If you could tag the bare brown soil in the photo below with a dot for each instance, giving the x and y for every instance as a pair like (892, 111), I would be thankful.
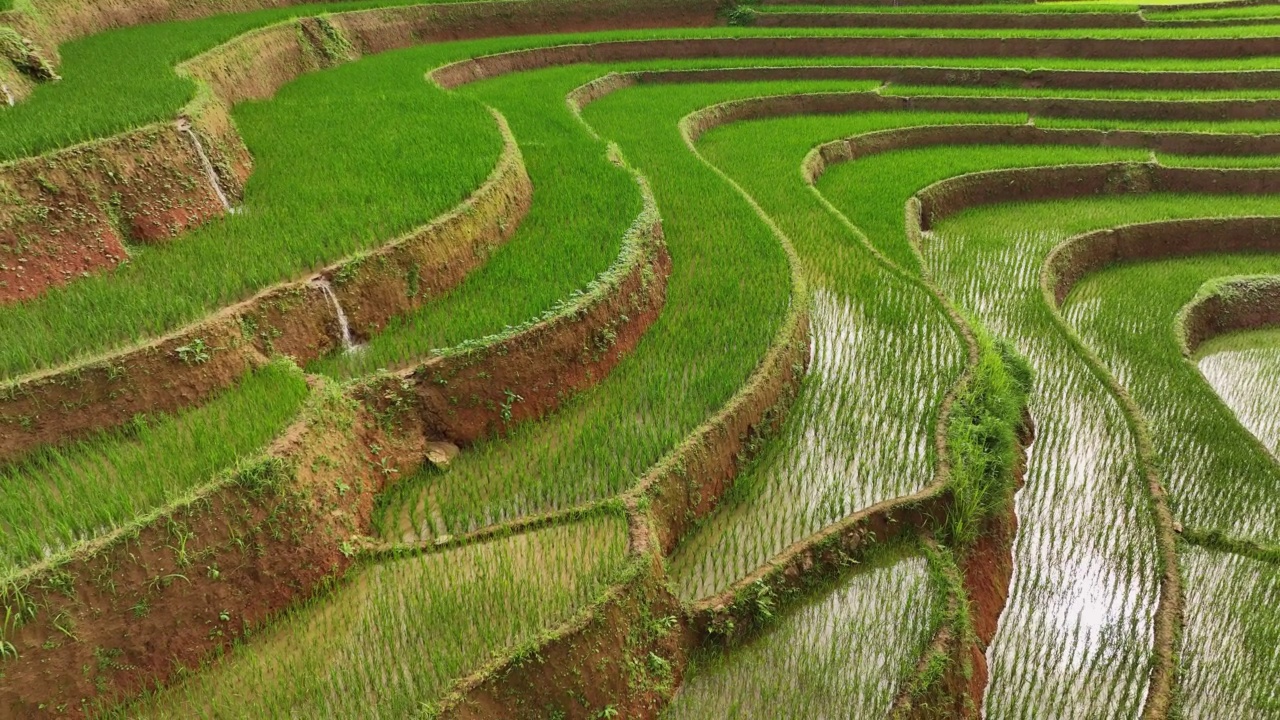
(602, 659)
(489, 66)
(70, 214)
(948, 197)
(690, 484)
(982, 77)
(1088, 253)
(465, 396)
(128, 612)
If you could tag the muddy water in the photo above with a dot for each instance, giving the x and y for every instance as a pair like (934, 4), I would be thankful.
(210, 174)
(344, 325)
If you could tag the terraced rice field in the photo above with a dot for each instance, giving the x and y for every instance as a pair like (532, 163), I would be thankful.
(639, 359)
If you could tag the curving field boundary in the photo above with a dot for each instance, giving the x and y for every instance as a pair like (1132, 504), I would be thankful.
(278, 529)
(1233, 304)
(82, 204)
(295, 318)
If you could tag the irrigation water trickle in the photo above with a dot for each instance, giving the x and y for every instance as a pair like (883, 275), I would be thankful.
(348, 342)
(184, 126)
(8, 96)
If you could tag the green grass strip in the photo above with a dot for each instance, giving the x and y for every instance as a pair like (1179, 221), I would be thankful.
(61, 496)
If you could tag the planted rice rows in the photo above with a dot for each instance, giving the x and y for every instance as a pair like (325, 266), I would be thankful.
(862, 429)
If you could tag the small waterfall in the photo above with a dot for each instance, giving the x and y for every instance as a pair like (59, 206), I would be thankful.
(348, 342)
(185, 127)
(8, 95)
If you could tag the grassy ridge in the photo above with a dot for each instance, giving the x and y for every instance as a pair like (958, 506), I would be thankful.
(717, 323)
(1217, 474)
(989, 258)
(58, 497)
(396, 634)
(120, 79)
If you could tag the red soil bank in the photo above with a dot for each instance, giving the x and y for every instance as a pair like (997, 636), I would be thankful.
(959, 21)
(469, 394)
(135, 607)
(601, 659)
(69, 214)
(983, 77)
(949, 197)
(489, 66)
(1086, 254)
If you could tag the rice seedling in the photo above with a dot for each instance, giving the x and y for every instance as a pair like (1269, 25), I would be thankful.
(61, 496)
(349, 158)
(1217, 474)
(1230, 637)
(318, 193)
(841, 654)
(395, 634)
(883, 355)
(556, 251)
(718, 320)
(1083, 584)
(121, 79)
(1241, 368)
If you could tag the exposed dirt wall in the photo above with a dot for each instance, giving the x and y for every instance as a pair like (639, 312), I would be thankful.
(985, 77)
(601, 659)
(64, 20)
(958, 21)
(381, 30)
(1085, 254)
(478, 392)
(949, 197)
(71, 214)
(688, 485)
(615, 51)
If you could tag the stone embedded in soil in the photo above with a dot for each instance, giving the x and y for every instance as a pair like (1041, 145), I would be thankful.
(441, 454)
